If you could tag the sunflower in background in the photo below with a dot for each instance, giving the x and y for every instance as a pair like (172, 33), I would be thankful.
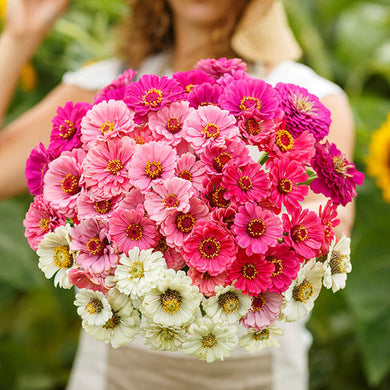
(378, 160)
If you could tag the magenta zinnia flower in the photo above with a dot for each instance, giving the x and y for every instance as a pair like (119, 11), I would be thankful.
(209, 125)
(286, 263)
(303, 111)
(285, 176)
(90, 237)
(247, 183)
(337, 178)
(329, 220)
(105, 168)
(40, 219)
(256, 228)
(36, 168)
(152, 163)
(205, 282)
(66, 127)
(188, 168)
(305, 232)
(251, 273)
(264, 311)
(215, 193)
(210, 248)
(204, 95)
(217, 68)
(129, 229)
(105, 121)
(252, 95)
(188, 80)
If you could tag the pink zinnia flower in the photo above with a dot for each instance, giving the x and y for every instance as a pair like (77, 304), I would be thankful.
(286, 263)
(251, 95)
(167, 123)
(40, 219)
(106, 168)
(179, 225)
(215, 193)
(303, 111)
(142, 134)
(188, 80)
(217, 68)
(151, 93)
(170, 196)
(172, 256)
(66, 127)
(225, 216)
(256, 228)
(36, 168)
(264, 311)
(337, 178)
(251, 273)
(133, 200)
(117, 93)
(105, 121)
(209, 125)
(247, 183)
(152, 163)
(129, 229)
(89, 207)
(205, 282)
(283, 144)
(85, 279)
(328, 216)
(210, 248)
(204, 95)
(188, 168)
(216, 157)
(227, 78)
(305, 232)
(62, 183)
(90, 237)
(285, 176)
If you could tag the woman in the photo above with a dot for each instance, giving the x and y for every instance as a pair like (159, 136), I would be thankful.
(168, 36)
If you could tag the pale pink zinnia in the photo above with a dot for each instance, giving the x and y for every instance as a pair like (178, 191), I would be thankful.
(90, 237)
(252, 274)
(188, 168)
(105, 121)
(132, 200)
(264, 311)
(152, 163)
(40, 219)
(256, 228)
(106, 166)
(205, 282)
(178, 226)
(167, 123)
(130, 228)
(172, 256)
(247, 183)
(82, 278)
(210, 248)
(209, 125)
(305, 232)
(170, 196)
(89, 207)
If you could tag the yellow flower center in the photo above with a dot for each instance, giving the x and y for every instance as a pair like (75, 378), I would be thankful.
(252, 126)
(245, 183)
(185, 175)
(209, 341)
(67, 129)
(153, 169)
(113, 322)
(221, 160)
(303, 292)
(285, 186)
(171, 301)
(339, 263)
(256, 228)
(171, 200)
(258, 302)
(250, 102)
(211, 130)
(134, 231)
(136, 270)
(152, 98)
(62, 258)
(95, 246)
(106, 127)
(173, 125)
(249, 271)
(102, 207)
(94, 306)
(185, 222)
(70, 184)
(114, 166)
(284, 140)
(229, 302)
(209, 248)
(44, 224)
(262, 335)
(299, 233)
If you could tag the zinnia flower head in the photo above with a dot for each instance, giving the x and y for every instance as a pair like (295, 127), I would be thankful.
(82, 278)
(329, 220)
(188, 80)
(303, 111)
(204, 95)
(219, 67)
(337, 178)
(205, 282)
(188, 168)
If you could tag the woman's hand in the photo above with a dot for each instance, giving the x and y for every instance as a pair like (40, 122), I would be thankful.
(32, 19)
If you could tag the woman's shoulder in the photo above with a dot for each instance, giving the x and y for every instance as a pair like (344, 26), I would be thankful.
(299, 74)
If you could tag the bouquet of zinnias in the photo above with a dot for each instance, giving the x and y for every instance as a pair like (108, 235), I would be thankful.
(176, 207)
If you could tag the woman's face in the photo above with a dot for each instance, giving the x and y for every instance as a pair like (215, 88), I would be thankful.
(205, 12)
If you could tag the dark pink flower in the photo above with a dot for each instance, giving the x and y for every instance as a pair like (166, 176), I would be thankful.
(303, 111)
(329, 220)
(188, 80)
(305, 232)
(337, 178)
(225, 216)
(217, 68)
(204, 95)
(251, 273)
(215, 193)
(210, 248)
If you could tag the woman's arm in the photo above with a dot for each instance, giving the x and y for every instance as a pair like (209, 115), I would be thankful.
(19, 138)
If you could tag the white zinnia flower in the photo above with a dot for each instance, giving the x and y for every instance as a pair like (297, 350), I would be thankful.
(173, 301)
(208, 340)
(227, 305)
(163, 338)
(93, 307)
(338, 264)
(256, 340)
(122, 327)
(55, 256)
(300, 296)
(138, 272)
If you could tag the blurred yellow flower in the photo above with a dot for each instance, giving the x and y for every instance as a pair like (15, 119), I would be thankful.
(378, 160)
(28, 78)
(3, 6)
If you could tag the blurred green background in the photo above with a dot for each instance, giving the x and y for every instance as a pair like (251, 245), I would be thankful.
(347, 41)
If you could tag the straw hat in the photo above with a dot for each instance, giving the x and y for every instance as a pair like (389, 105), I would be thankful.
(263, 34)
